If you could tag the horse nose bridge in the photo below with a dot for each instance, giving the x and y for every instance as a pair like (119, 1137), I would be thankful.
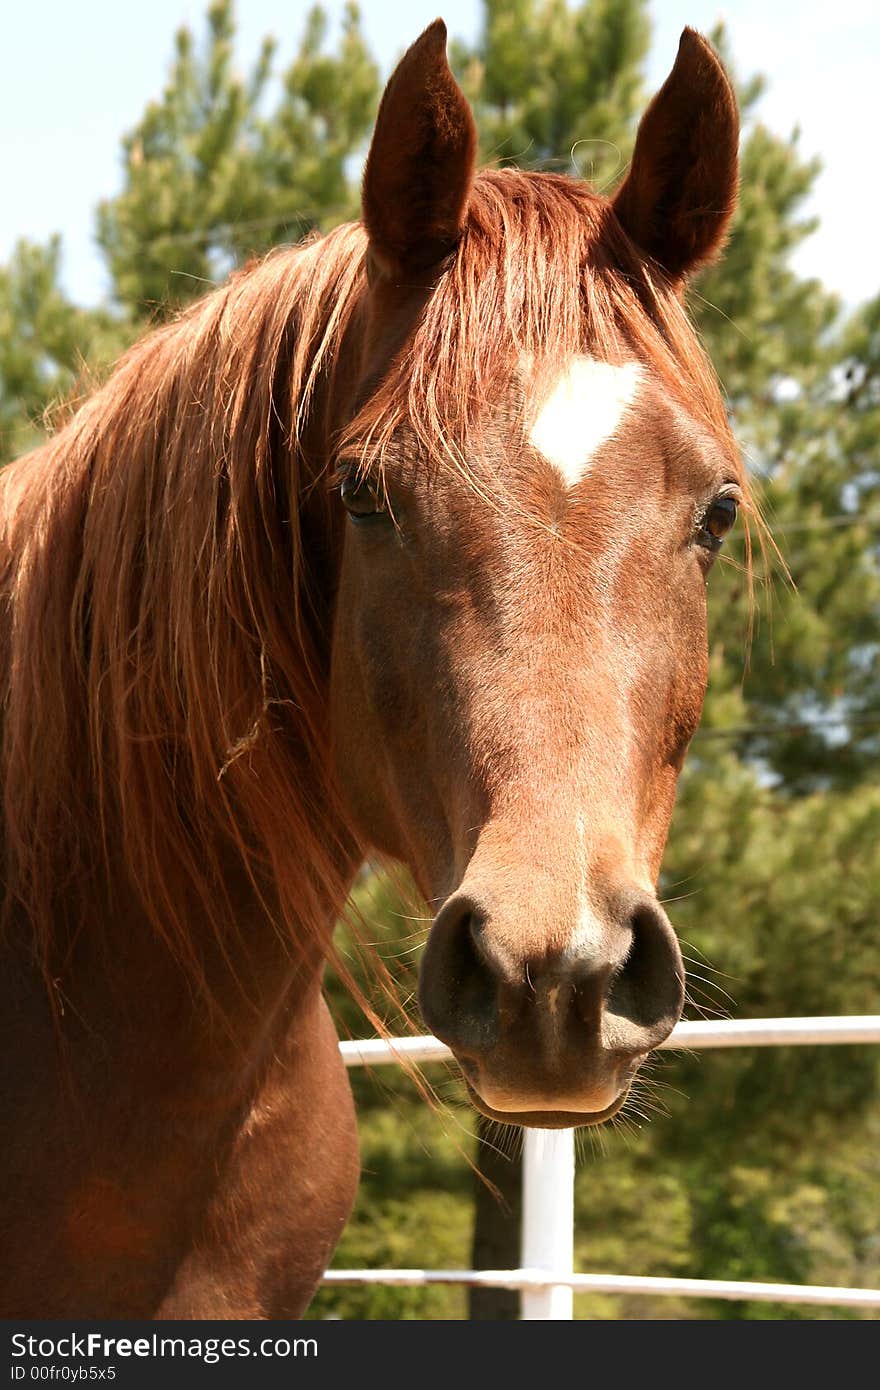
(563, 744)
(544, 885)
(556, 734)
(533, 848)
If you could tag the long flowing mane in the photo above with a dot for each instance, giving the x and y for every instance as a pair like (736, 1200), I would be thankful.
(163, 669)
(165, 645)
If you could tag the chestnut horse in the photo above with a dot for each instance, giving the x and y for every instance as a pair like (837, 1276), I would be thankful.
(397, 542)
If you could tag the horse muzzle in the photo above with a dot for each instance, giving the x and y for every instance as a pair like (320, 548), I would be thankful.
(551, 1038)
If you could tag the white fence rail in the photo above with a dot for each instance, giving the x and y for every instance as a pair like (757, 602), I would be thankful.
(738, 1032)
(547, 1280)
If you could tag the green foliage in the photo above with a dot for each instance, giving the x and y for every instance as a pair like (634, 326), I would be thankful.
(761, 322)
(414, 1206)
(46, 343)
(812, 696)
(766, 1163)
(555, 87)
(212, 176)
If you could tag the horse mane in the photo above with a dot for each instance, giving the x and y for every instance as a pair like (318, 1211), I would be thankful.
(165, 667)
(165, 648)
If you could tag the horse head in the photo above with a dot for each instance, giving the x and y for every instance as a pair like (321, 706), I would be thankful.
(537, 473)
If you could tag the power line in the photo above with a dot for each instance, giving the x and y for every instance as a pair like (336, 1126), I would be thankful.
(869, 719)
(281, 219)
(786, 528)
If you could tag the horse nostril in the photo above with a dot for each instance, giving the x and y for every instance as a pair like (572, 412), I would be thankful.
(539, 1015)
(648, 990)
(458, 984)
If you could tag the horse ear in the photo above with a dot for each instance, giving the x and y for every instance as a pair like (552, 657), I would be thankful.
(421, 161)
(680, 193)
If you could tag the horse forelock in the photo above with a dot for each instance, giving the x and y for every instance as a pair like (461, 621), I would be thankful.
(544, 273)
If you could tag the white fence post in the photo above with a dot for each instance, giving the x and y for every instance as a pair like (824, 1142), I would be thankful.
(548, 1219)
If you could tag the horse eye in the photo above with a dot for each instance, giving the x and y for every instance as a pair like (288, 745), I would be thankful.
(360, 497)
(719, 519)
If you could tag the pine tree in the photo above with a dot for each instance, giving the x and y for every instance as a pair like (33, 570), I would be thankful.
(222, 167)
(555, 87)
(47, 344)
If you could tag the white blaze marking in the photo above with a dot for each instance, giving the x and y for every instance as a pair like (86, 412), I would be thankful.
(583, 410)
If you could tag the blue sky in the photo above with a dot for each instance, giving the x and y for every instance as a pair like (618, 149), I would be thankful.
(78, 75)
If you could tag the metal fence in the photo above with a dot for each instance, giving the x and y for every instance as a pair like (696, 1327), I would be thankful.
(546, 1278)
